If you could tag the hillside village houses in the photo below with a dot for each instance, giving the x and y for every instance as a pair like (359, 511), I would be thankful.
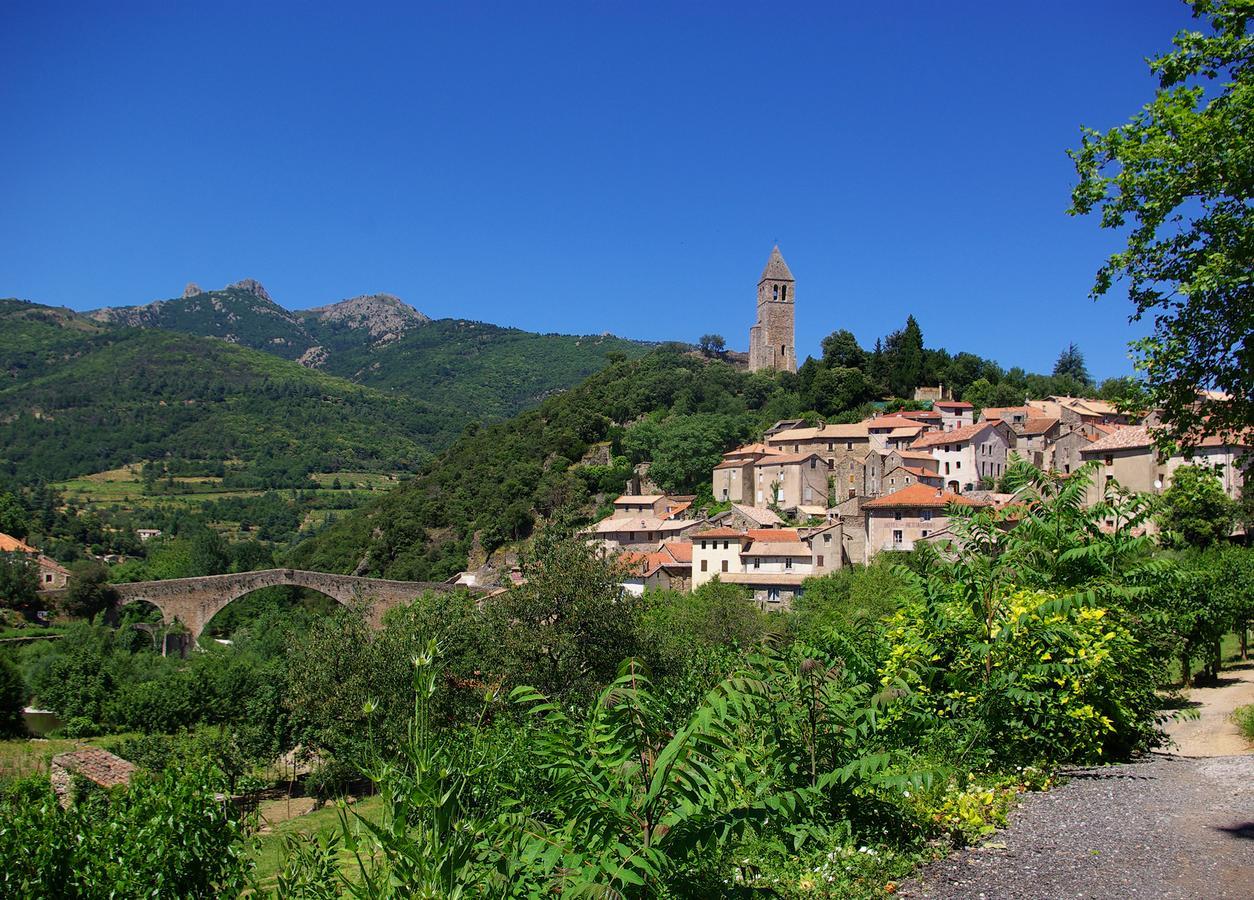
(808, 499)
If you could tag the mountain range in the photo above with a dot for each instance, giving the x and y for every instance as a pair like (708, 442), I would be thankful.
(366, 383)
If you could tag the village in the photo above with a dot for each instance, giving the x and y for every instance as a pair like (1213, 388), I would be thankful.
(809, 499)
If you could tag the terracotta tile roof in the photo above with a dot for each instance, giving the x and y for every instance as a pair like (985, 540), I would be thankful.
(639, 499)
(1131, 438)
(919, 495)
(1039, 425)
(916, 472)
(774, 535)
(913, 454)
(680, 551)
(952, 404)
(99, 766)
(920, 415)
(719, 533)
(749, 450)
(957, 436)
(733, 464)
(10, 544)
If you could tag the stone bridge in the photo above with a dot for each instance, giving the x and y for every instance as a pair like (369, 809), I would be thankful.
(194, 601)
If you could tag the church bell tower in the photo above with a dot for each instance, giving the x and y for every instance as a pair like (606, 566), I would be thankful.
(772, 341)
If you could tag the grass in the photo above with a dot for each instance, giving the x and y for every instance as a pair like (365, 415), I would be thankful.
(1229, 651)
(1244, 717)
(20, 757)
(269, 850)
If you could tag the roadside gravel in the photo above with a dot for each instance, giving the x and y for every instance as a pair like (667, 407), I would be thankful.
(1169, 827)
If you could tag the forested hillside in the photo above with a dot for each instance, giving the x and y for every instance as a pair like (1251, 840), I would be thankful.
(81, 397)
(672, 409)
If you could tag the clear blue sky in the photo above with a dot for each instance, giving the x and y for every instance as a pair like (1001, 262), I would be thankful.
(579, 167)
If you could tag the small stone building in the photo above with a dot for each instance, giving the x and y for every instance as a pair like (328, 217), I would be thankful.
(100, 767)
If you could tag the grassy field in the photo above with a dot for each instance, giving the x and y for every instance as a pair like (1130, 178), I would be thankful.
(20, 757)
(123, 490)
(326, 821)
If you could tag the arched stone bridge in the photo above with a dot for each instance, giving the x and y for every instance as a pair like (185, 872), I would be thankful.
(194, 601)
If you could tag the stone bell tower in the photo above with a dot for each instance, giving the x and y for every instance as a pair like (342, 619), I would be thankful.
(772, 341)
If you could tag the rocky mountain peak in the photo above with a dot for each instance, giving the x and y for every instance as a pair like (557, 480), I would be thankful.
(192, 290)
(253, 287)
(385, 317)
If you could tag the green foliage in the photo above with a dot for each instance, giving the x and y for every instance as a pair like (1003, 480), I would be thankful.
(12, 699)
(712, 345)
(19, 581)
(1244, 717)
(13, 518)
(88, 591)
(165, 835)
(675, 626)
(1196, 511)
(1070, 364)
(567, 626)
(1176, 179)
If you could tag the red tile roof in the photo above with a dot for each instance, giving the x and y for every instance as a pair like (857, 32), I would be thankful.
(957, 436)
(1039, 425)
(719, 533)
(1134, 437)
(919, 495)
(952, 404)
(774, 535)
(9, 544)
(99, 766)
(893, 422)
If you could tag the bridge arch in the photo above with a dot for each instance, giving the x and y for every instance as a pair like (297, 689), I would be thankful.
(194, 601)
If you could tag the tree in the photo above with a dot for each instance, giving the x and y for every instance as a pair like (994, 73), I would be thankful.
(903, 359)
(1195, 509)
(712, 345)
(839, 390)
(1179, 178)
(568, 625)
(89, 591)
(12, 700)
(1071, 364)
(19, 581)
(841, 350)
(13, 518)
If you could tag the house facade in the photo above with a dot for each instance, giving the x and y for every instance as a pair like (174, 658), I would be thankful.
(899, 520)
(966, 455)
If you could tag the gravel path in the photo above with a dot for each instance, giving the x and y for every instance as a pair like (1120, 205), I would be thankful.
(1169, 827)
(1213, 733)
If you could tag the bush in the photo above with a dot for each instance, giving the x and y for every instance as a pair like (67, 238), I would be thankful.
(12, 700)
(1244, 717)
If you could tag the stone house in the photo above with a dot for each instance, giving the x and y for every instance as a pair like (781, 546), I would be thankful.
(100, 767)
(1128, 456)
(771, 563)
(659, 505)
(790, 481)
(827, 550)
(954, 413)
(968, 454)
(832, 442)
(52, 576)
(904, 476)
(1033, 439)
(893, 432)
(1011, 415)
(897, 521)
(667, 567)
(638, 532)
(745, 517)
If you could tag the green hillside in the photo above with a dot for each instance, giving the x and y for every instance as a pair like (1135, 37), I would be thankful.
(493, 371)
(81, 398)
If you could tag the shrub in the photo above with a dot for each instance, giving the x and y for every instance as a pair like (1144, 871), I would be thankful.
(12, 700)
(1244, 717)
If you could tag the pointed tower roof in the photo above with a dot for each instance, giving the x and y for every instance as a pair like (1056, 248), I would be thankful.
(776, 269)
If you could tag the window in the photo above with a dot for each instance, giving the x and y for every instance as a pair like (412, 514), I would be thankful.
(783, 351)
(703, 545)
(820, 562)
(726, 544)
(757, 563)
(926, 515)
(47, 578)
(925, 532)
(831, 464)
(775, 292)
(897, 515)
(787, 562)
(724, 565)
(783, 292)
(892, 482)
(848, 445)
(705, 565)
(946, 468)
(896, 535)
(814, 463)
(958, 464)
(1110, 459)
(827, 538)
(772, 595)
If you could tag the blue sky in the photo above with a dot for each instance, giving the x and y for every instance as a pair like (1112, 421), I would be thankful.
(581, 167)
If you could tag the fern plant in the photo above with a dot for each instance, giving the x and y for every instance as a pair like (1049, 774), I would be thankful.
(632, 798)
